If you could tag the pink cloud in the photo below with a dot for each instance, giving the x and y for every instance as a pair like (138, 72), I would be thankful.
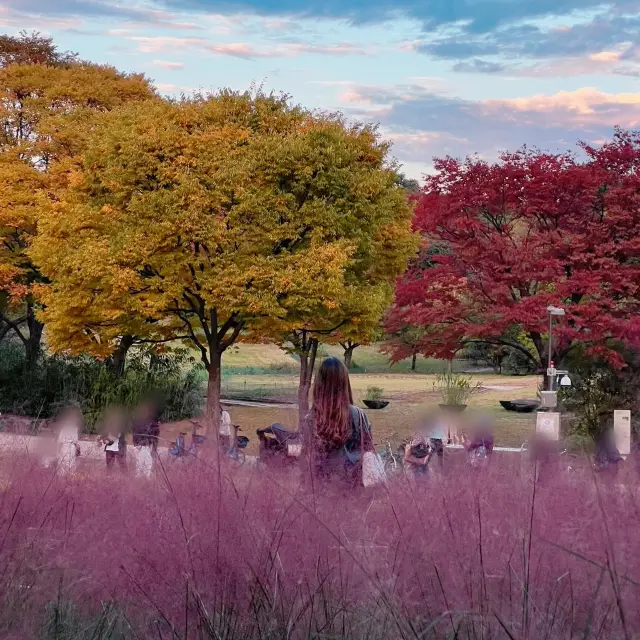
(166, 64)
(410, 46)
(606, 56)
(623, 60)
(423, 123)
(587, 105)
(380, 95)
(584, 106)
(167, 88)
(278, 25)
(21, 21)
(354, 96)
(157, 44)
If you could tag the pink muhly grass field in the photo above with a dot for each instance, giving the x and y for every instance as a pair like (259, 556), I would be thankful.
(204, 552)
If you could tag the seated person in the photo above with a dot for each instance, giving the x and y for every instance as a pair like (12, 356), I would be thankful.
(438, 433)
(480, 446)
(607, 455)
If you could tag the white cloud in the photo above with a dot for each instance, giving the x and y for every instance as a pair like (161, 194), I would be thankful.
(20, 21)
(158, 44)
(166, 88)
(167, 64)
(422, 123)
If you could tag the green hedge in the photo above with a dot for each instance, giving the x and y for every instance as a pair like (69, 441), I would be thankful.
(85, 382)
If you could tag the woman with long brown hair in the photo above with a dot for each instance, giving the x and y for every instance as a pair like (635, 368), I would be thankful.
(339, 432)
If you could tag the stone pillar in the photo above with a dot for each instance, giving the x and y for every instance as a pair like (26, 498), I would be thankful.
(548, 425)
(67, 440)
(622, 431)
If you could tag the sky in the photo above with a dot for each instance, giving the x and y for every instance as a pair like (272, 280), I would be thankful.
(440, 77)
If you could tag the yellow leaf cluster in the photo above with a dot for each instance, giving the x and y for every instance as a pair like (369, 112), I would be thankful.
(45, 111)
(219, 211)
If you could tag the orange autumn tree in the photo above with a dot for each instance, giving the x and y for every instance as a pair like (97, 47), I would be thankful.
(207, 219)
(47, 99)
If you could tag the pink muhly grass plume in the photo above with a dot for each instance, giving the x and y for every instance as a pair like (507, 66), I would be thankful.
(201, 551)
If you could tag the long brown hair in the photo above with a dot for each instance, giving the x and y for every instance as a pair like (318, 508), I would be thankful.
(332, 400)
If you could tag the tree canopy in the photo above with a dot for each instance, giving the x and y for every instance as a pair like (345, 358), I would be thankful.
(46, 102)
(208, 217)
(530, 230)
(32, 48)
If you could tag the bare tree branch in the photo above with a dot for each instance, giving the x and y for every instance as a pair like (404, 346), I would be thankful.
(15, 325)
(225, 344)
(505, 343)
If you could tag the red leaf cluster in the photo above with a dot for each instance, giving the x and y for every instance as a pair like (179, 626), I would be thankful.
(527, 231)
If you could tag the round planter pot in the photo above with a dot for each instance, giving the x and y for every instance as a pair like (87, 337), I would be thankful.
(520, 406)
(376, 404)
(525, 407)
(453, 408)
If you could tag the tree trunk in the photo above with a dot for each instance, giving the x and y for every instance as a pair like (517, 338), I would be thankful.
(414, 357)
(308, 352)
(34, 340)
(214, 390)
(4, 329)
(348, 356)
(117, 361)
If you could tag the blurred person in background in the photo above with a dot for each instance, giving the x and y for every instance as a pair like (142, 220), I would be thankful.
(69, 425)
(339, 432)
(146, 432)
(607, 458)
(179, 447)
(437, 429)
(113, 438)
(225, 432)
(479, 445)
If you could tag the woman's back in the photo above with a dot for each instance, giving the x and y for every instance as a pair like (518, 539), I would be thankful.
(351, 445)
(339, 431)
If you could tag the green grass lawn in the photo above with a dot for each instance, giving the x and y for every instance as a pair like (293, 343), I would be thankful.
(267, 372)
(259, 358)
(370, 359)
(410, 396)
(271, 359)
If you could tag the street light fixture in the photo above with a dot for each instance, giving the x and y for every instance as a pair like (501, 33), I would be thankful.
(556, 311)
(553, 311)
(565, 381)
(549, 398)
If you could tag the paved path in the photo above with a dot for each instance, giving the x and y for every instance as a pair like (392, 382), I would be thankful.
(45, 448)
(502, 387)
(265, 405)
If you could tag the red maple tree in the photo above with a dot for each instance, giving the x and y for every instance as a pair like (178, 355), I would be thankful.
(505, 240)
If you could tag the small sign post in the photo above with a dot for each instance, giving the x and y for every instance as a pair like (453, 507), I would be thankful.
(622, 431)
(549, 399)
(548, 425)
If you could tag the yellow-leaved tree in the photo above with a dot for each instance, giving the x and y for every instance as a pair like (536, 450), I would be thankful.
(206, 218)
(364, 326)
(47, 99)
(343, 174)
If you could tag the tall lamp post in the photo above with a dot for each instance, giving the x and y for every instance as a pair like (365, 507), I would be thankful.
(548, 421)
(553, 311)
